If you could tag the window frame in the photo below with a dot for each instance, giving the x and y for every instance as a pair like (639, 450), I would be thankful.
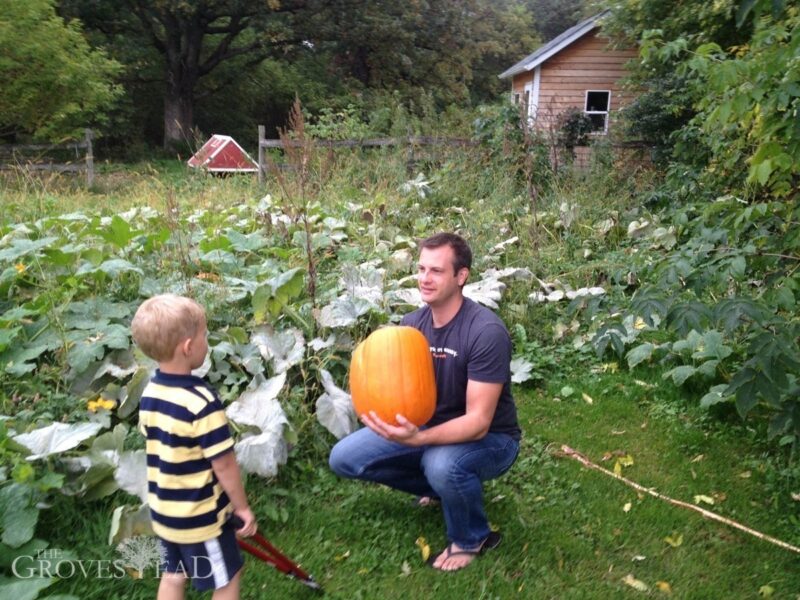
(605, 113)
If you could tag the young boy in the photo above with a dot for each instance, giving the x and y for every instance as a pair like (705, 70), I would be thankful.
(193, 479)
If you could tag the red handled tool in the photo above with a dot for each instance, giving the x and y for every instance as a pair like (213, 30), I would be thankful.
(271, 555)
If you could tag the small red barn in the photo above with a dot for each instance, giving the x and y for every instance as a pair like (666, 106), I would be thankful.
(577, 69)
(221, 154)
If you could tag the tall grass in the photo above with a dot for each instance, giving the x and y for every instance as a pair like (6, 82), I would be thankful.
(26, 196)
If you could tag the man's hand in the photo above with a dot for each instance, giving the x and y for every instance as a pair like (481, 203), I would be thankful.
(405, 432)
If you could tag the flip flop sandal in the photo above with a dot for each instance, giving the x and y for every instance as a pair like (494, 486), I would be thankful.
(492, 541)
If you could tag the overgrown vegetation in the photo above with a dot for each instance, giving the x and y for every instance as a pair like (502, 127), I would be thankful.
(71, 281)
(654, 316)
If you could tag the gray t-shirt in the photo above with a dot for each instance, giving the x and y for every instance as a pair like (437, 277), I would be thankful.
(474, 345)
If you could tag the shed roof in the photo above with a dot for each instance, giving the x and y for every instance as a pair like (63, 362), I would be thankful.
(557, 44)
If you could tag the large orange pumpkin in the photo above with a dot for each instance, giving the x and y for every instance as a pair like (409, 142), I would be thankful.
(391, 372)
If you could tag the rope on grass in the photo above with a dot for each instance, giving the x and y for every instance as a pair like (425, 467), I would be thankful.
(566, 451)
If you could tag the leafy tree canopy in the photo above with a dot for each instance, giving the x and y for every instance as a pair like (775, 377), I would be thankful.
(52, 84)
(341, 51)
(721, 89)
(552, 17)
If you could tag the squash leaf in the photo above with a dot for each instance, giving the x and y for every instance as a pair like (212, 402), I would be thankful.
(335, 408)
(17, 515)
(521, 370)
(343, 312)
(258, 406)
(487, 291)
(131, 473)
(24, 589)
(284, 348)
(56, 438)
(272, 295)
(129, 521)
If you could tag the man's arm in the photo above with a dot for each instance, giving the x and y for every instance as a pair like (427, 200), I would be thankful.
(227, 472)
(482, 401)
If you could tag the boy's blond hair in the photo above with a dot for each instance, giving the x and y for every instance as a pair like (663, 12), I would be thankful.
(163, 322)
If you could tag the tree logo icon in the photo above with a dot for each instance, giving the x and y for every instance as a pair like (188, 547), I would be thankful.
(140, 552)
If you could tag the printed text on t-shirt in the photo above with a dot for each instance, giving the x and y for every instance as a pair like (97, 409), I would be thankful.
(443, 352)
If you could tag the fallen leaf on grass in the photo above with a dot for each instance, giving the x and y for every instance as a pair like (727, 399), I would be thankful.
(698, 458)
(627, 507)
(341, 557)
(796, 496)
(703, 498)
(622, 461)
(587, 398)
(674, 540)
(405, 568)
(745, 474)
(639, 558)
(636, 584)
(424, 548)
(766, 591)
(664, 587)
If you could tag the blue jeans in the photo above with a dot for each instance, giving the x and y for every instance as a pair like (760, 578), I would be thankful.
(453, 473)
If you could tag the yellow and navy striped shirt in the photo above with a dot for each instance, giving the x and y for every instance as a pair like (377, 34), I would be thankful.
(185, 426)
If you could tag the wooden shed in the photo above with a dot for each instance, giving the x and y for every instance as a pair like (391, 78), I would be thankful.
(579, 69)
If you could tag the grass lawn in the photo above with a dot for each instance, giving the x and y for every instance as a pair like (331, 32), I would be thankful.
(567, 533)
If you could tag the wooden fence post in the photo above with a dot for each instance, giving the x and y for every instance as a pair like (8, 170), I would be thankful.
(261, 130)
(89, 159)
(410, 157)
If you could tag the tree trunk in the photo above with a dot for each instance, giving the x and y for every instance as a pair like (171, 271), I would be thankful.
(178, 118)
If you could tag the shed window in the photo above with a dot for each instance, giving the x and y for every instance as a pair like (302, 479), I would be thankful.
(597, 105)
(523, 101)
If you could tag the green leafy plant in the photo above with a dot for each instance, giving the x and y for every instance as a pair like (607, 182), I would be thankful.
(574, 127)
